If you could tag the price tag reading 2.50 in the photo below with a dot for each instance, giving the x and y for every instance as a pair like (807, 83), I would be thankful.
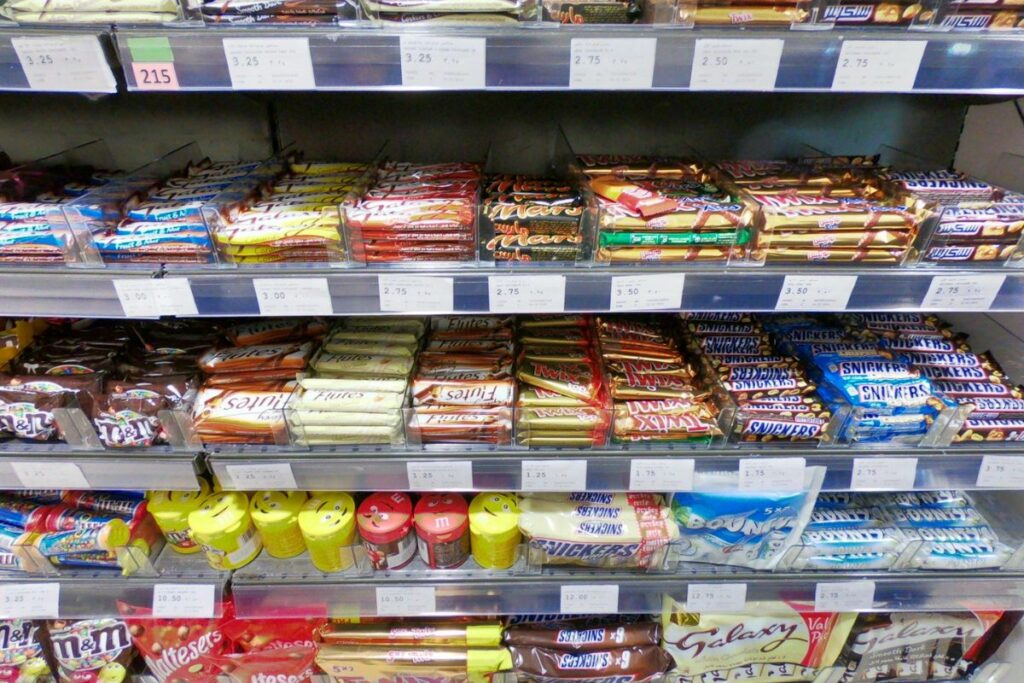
(735, 64)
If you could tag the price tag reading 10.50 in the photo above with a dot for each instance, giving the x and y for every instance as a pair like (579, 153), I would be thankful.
(183, 600)
(405, 601)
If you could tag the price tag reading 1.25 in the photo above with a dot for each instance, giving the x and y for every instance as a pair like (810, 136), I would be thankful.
(269, 63)
(715, 598)
(554, 475)
(444, 63)
(146, 298)
(452, 475)
(660, 474)
(533, 293)
(64, 64)
(293, 296)
(1001, 472)
(405, 601)
(735, 64)
(815, 292)
(962, 292)
(612, 63)
(30, 601)
(772, 474)
(873, 474)
(844, 596)
(42, 475)
(415, 293)
(878, 65)
(646, 292)
(272, 476)
(183, 600)
(590, 599)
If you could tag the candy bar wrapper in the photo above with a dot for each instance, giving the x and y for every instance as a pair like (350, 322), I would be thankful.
(452, 665)
(424, 634)
(92, 650)
(585, 639)
(125, 422)
(639, 663)
(288, 663)
(22, 652)
(770, 641)
(254, 635)
(29, 414)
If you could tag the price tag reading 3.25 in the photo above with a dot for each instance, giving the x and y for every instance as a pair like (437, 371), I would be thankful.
(646, 292)
(590, 599)
(293, 296)
(772, 474)
(878, 65)
(405, 601)
(612, 63)
(554, 475)
(443, 63)
(526, 293)
(1001, 472)
(64, 64)
(272, 476)
(455, 475)
(735, 64)
(962, 292)
(269, 63)
(415, 293)
(874, 474)
(30, 601)
(815, 292)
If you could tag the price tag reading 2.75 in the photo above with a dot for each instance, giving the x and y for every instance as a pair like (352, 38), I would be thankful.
(612, 63)
(533, 293)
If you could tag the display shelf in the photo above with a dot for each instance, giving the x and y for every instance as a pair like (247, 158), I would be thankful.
(271, 587)
(383, 469)
(71, 292)
(96, 593)
(539, 59)
(56, 60)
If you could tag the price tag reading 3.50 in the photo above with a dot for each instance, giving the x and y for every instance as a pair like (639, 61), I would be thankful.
(269, 63)
(735, 64)
(533, 293)
(962, 292)
(554, 475)
(443, 63)
(590, 599)
(772, 474)
(1001, 472)
(415, 293)
(405, 601)
(646, 292)
(293, 296)
(64, 64)
(878, 65)
(815, 292)
(612, 63)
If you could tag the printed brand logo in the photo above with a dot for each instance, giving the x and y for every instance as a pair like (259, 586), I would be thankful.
(584, 637)
(600, 528)
(587, 660)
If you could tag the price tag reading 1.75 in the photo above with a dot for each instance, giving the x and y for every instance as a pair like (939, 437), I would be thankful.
(962, 292)
(612, 63)
(534, 293)
(878, 65)
(772, 474)
(405, 601)
(554, 475)
(183, 600)
(661, 474)
(646, 292)
(815, 292)
(443, 63)
(269, 63)
(735, 64)
(64, 64)
(590, 599)
(415, 293)
(1001, 472)
(30, 601)
(293, 296)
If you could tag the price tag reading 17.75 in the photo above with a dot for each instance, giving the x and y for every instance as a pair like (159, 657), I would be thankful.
(534, 293)
(873, 474)
(269, 63)
(271, 476)
(554, 475)
(646, 292)
(183, 600)
(878, 65)
(405, 601)
(30, 601)
(962, 292)
(772, 474)
(445, 63)
(1001, 472)
(735, 64)
(415, 293)
(612, 63)
(455, 475)
(64, 64)
(815, 292)
(293, 296)
(590, 599)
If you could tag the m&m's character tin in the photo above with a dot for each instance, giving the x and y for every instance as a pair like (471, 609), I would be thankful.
(494, 529)
(276, 516)
(385, 525)
(223, 527)
(442, 529)
(328, 524)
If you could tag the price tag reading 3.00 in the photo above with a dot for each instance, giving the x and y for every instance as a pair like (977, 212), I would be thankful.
(443, 63)
(735, 64)
(612, 63)
(293, 296)
(146, 298)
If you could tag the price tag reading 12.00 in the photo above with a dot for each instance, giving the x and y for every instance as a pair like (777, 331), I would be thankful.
(589, 599)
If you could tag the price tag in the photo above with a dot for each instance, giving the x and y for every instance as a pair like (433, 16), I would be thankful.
(155, 76)
(612, 63)
(660, 474)
(815, 292)
(590, 599)
(1001, 472)
(30, 601)
(65, 64)
(772, 474)
(148, 298)
(883, 473)
(554, 475)
(269, 63)
(844, 596)
(878, 65)
(443, 63)
(405, 601)
(716, 597)
(183, 600)
(416, 294)
(293, 296)
(647, 292)
(277, 476)
(440, 476)
(735, 64)
(50, 475)
(962, 292)
(526, 293)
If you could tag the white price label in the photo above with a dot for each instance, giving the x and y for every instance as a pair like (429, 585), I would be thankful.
(50, 475)
(526, 293)
(962, 292)
(878, 65)
(415, 294)
(590, 599)
(647, 292)
(405, 601)
(612, 63)
(276, 476)
(30, 601)
(269, 63)
(772, 474)
(65, 64)
(1001, 472)
(716, 597)
(554, 475)
(440, 476)
(735, 64)
(293, 296)
(815, 292)
(660, 474)
(153, 298)
(183, 600)
(871, 474)
(844, 596)
(443, 63)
